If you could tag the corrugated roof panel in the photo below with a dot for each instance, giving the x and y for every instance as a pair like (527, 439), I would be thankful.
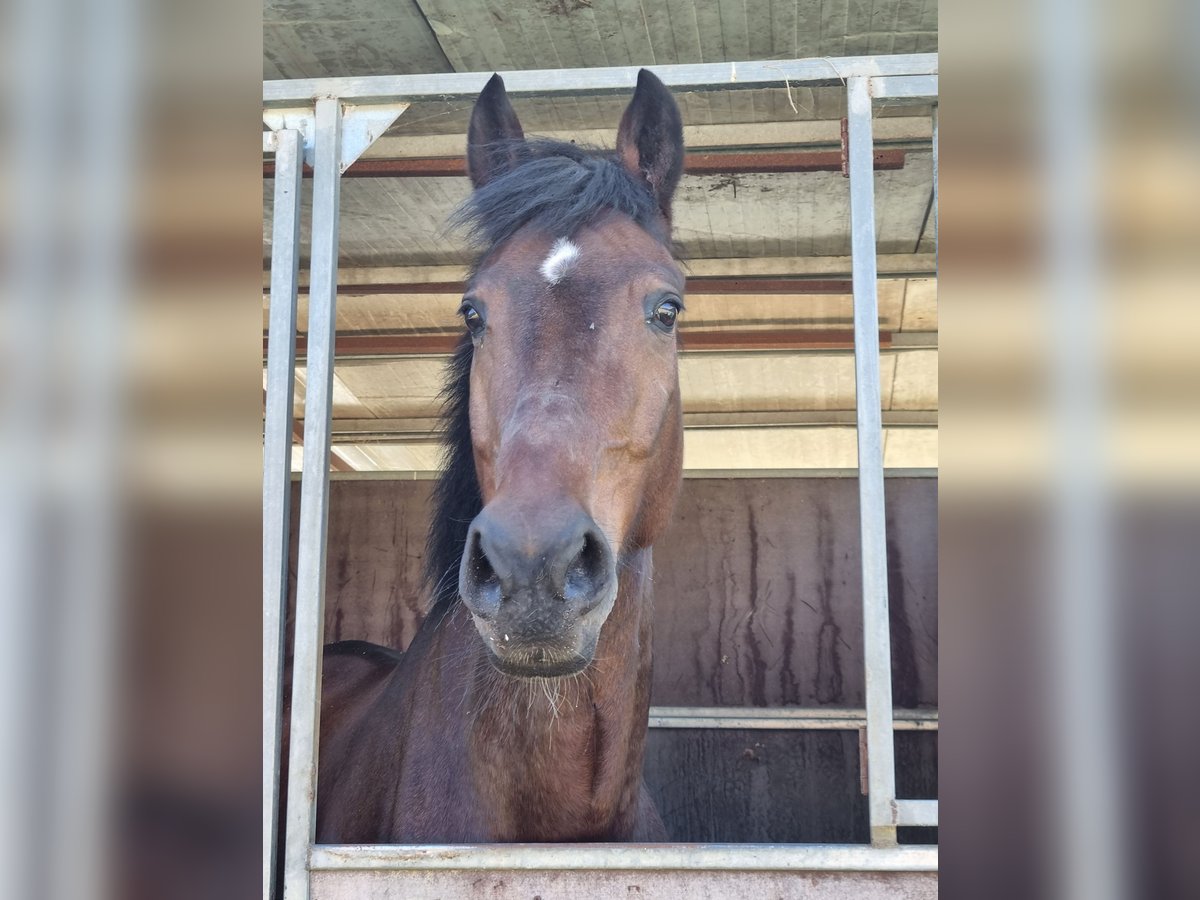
(320, 38)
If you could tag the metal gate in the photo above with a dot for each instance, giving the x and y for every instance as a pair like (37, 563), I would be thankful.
(328, 123)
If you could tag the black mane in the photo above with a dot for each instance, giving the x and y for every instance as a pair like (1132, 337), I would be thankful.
(456, 498)
(557, 185)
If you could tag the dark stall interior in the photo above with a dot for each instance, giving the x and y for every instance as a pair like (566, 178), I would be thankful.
(756, 605)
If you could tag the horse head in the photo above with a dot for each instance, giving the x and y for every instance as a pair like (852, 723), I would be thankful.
(575, 419)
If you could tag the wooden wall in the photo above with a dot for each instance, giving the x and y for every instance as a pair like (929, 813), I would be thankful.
(756, 604)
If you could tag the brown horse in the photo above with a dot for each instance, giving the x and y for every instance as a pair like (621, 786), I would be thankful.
(519, 711)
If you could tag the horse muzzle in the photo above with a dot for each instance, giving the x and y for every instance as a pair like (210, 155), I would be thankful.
(539, 588)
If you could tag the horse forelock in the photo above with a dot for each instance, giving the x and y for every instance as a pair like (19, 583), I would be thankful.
(558, 187)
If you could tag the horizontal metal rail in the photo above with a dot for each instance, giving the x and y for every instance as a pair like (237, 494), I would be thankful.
(422, 429)
(795, 719)
(786, 162)
(433, 474)
(900, 344)
(905, 87)
(917, 812)
(605, 80)
(712, 857)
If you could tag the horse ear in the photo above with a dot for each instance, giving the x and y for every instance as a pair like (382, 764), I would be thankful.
(650, 138)
(492, 136)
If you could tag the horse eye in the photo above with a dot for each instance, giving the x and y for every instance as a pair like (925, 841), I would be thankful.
(472, 317)
(665, 313)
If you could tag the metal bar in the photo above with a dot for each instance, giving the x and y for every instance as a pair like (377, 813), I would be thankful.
(719, 857)
(904, 87)
(310, 581)
(433, 474)
(604, 80)
(797, 286)
(917, 812)
(902, 132)
(894, 265)
(400, 432)
(877, 655)
(349, 430)
(908, 346)
(761, 339)
(277, 467)
(720, 163)
(794, 719)
(706, 285)
(914, 340)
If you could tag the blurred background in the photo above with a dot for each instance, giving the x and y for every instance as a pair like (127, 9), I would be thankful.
(1066, 441)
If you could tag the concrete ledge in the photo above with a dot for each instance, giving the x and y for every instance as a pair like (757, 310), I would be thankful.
(676, 885)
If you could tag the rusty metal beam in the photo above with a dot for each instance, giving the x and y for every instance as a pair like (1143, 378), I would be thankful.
(749, 285)
(352, 345)
(718, 163)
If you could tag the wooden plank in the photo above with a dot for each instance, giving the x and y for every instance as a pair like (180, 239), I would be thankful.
(774, 618)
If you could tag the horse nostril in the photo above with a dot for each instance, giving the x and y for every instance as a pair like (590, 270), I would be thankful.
(481, 567)
(481, 585)
(588, 571)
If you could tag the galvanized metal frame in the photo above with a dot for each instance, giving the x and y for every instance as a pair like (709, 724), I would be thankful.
(790, 718)
(314, 500)
(321, 129)
(886, 811)
(301, 93)
(338, 118)
(287, 145)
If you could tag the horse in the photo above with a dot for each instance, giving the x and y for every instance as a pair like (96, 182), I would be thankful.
(519, 711)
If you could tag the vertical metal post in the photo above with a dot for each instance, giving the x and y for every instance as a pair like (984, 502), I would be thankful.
(277, 465)
(314, 500)
(881, 773)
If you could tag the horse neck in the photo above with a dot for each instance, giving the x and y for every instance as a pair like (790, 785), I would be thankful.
(561, 759)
